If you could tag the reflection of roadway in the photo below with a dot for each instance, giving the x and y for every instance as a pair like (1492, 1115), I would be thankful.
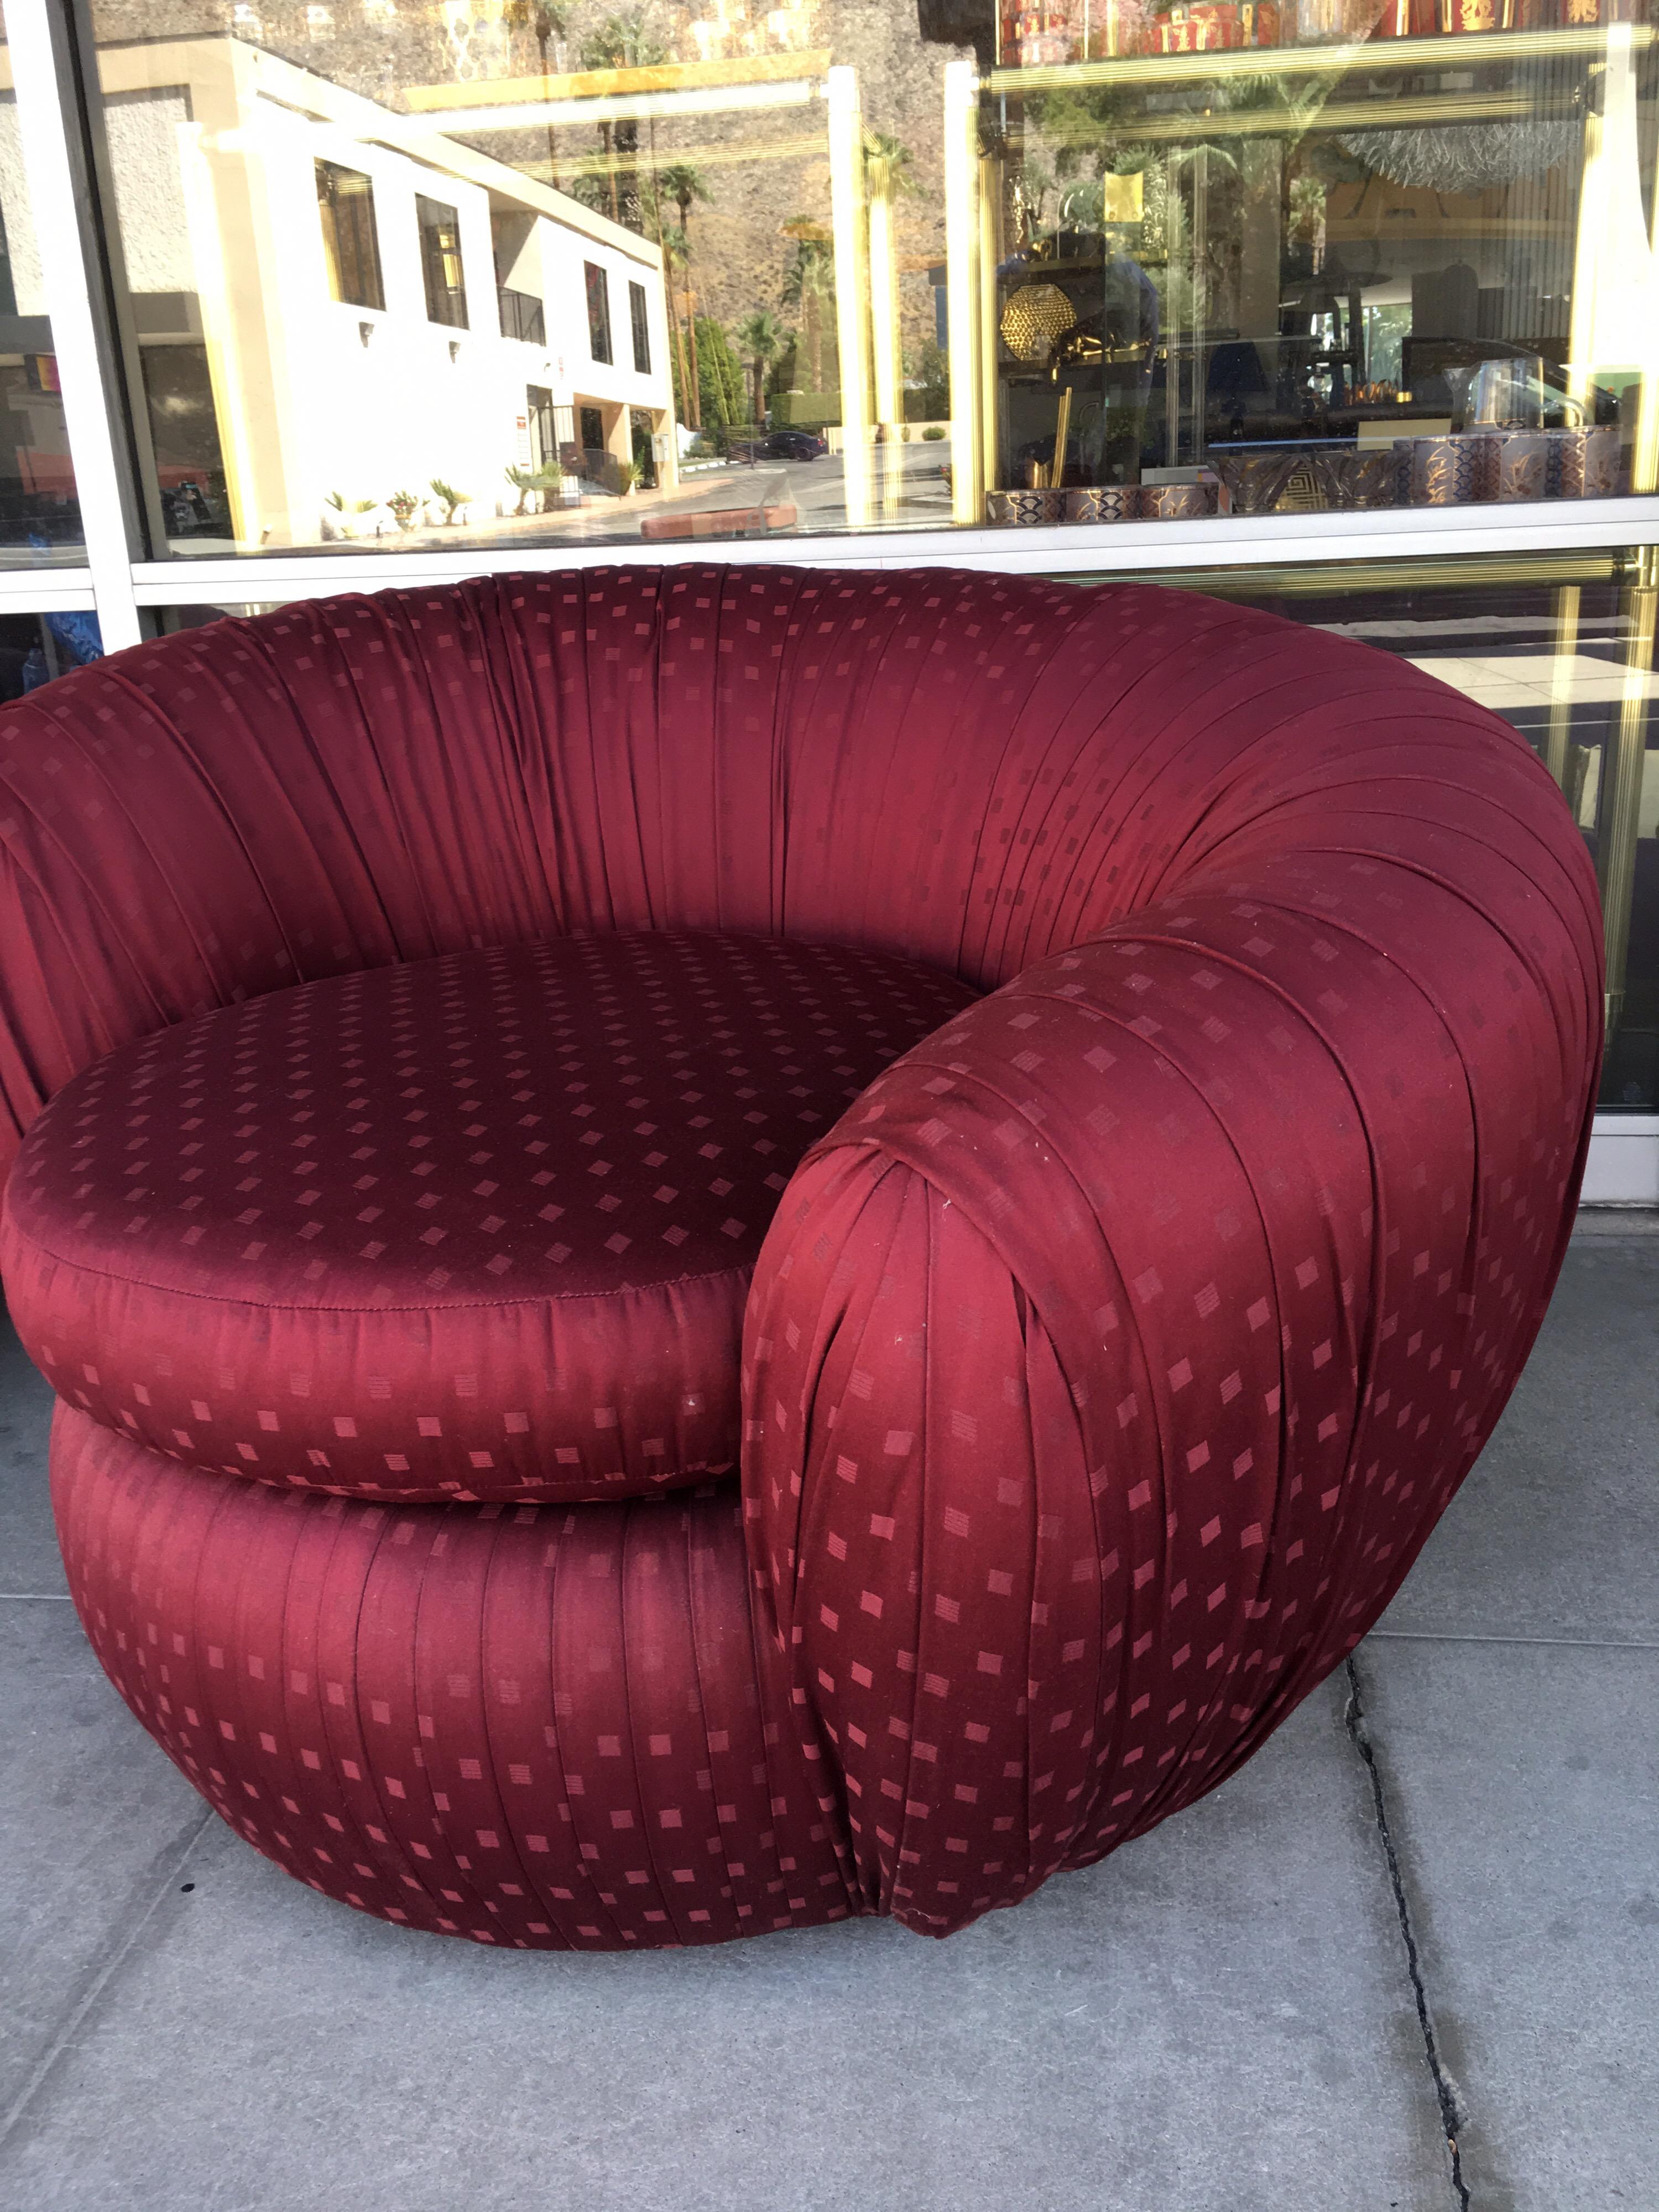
(906, 492)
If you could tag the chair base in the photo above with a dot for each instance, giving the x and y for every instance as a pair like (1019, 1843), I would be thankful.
(542, 1726)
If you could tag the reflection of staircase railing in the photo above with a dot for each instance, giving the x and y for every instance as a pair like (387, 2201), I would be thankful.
(521, 316)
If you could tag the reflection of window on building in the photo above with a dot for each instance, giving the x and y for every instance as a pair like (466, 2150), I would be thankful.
(644, 448)
(440, 262)
(345, 201)
(521, 317)
(641, 328)
(539, 416)
(184, 430)
(598, 312)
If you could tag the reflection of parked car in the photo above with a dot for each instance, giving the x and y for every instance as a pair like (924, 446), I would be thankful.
(793, 446)
(778, 445)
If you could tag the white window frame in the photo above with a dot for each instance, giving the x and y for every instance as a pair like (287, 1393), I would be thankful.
(126, 593)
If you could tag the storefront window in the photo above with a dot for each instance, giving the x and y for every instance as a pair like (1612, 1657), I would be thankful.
(39, 518)
(1561, 645)
(1241, 257)
(829, 266)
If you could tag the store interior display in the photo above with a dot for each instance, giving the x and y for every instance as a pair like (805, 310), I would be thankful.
(1335, 256)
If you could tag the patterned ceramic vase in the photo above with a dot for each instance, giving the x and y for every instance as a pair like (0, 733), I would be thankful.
(1334, 22)
(1118, 27)
(1196, 26)
(1407, 19)
(1462, 16)
(1519, 464)
(1176, 503)
(1103, 503)
(1447, 472)
(1586, 462)
(1025, 507)
(1364, 477)
(1255, 481)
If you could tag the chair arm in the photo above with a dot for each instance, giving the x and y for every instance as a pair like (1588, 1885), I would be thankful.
(1108, 1363)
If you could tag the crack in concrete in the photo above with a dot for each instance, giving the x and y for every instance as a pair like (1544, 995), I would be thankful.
(175, 1862)
(1447, 2092)
(1519, 1642)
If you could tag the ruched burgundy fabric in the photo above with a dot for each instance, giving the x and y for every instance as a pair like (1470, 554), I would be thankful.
(480, 1226)
(1104, 1363)
(534, 1726)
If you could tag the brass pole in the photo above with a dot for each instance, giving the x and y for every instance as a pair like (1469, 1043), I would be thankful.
(1567, 647)
(962, 264)
(1622, 777)
(848, 223)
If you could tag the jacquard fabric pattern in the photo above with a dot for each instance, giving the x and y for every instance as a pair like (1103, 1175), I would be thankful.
(1105, 1362)
(539, 1727)
(480, 1226)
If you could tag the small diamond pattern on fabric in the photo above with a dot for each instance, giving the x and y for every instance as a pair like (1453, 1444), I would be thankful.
(476, 1226)
(1098, 1335)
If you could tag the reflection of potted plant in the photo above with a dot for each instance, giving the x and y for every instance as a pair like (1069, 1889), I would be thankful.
(403, 505)
(451, 500)
(628, 474)
(346, 512)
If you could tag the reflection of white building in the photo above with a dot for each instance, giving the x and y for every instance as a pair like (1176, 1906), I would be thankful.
(357, 303)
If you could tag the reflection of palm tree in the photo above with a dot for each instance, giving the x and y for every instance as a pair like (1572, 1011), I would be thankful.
(683, 183)
(888, 164)
(760, 336)
(622, 42)
(809, 284)
(546, 24)
(674, 261)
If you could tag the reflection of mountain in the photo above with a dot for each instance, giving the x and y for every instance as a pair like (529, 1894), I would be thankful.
(760, 168)
(740, 255)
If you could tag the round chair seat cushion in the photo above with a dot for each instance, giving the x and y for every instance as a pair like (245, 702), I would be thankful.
(480, 1226)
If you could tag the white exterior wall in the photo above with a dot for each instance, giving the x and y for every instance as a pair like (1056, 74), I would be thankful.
(563, 254)
(216, 179)
(370, 420)
(20, 227)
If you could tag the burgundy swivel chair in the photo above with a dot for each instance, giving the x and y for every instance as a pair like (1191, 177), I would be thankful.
(724, 1246)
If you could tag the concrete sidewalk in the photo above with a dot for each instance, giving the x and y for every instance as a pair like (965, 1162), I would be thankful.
(1430, 1908)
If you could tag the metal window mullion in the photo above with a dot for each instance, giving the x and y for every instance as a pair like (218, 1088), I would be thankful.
(1238, 542)
(93, 404)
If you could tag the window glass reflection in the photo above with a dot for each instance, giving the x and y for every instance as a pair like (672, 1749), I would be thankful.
(1562, 646)
(39, 518)
(828, 266)
(1399, 255)
(345, 203)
